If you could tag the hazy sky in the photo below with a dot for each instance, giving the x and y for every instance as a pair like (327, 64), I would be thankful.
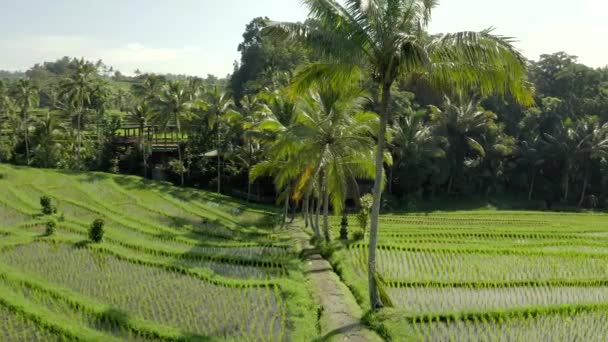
(201, 36)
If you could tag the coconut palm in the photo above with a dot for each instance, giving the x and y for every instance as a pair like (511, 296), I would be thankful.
(25, 95)
(174, 106)
(414, 144)
(149, 88)
(141, 114)
(328, 145)
(462, 123)
(531, 153)
(77, 90)
(576, 145)
(387, 39)
(219, 104)
(46, 134)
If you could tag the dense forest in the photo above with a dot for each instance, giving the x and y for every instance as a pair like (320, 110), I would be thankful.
(237, 131)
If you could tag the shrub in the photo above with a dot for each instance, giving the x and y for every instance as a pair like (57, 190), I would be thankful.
(61, 217)
(344, 228)
(358, 235)
(47, 205)
(51, 226)
(96, 230)
(1, 175)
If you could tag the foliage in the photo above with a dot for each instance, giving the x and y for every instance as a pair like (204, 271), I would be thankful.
(50, 227)
(96, 230)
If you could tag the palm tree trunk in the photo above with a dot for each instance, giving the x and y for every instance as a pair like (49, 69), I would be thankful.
(249, 165)
(317, 214)
(305, 211)
(285, 207)
(582, 200)
(532, 185)
(26, 137)
(142, 145)
(219, 165)
(566, 187)
(181, 164)
(326, 214)
(374, 295)
(390, 179)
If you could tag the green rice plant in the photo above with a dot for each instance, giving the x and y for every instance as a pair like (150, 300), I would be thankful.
(153, 294)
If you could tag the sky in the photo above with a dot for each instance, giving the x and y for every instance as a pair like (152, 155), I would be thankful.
(200, 37)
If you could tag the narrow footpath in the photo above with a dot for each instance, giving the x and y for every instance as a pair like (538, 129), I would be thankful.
(341, 315)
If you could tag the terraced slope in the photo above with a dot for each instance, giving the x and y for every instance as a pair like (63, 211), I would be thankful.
(487, 275)
(175, 264)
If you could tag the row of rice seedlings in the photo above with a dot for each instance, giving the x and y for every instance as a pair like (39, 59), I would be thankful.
(483, 235)
(151, 293)
(582, 326)
(431, 301)
(453, 266)
(15, 327)
(557, 248)
(255, 261)
(484, 249)
(59, 307)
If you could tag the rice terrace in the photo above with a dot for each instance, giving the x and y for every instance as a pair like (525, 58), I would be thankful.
(303, 170)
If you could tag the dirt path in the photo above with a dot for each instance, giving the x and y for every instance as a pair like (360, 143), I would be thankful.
(340, 317)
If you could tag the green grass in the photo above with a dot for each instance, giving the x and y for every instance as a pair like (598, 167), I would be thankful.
(485, 274)
(175, 264)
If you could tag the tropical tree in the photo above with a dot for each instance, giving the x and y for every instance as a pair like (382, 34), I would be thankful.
(77, 89)
(174, 107)
(414, 146)
(25, 95)
(141, 114)
(576, 146)
(48, 129)
(462, 123)
(149, 88)
(387, 39)
(328, 145)
(531, 153)
(219, 104)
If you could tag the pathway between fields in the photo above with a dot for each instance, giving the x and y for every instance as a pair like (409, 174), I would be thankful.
(341, 316)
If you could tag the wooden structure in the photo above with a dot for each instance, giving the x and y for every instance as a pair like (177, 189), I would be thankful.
(161, 139)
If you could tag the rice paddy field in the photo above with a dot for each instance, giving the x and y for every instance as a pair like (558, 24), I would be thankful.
(487, 275)
(174, 264)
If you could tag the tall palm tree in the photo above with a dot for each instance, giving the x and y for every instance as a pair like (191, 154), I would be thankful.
(328, 145)
(26, 95)
(175, 106)
(576, 145)
(77, 89)
(414, 144)
(141, 114)
(532, 154)
(47, 130)
(462, 123)
(219, 104)
(387, 39)
(149, 88)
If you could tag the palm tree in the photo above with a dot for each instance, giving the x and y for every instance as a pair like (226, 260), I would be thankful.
(328, 145)
(140, 114)
(387, 39)
(46, 132)
(531, 154)
(218, 104)
(414, 144)
(25, 95)
(462, 123)
(576, 145)
(175, 106)
(149, 88)
(77, 89)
